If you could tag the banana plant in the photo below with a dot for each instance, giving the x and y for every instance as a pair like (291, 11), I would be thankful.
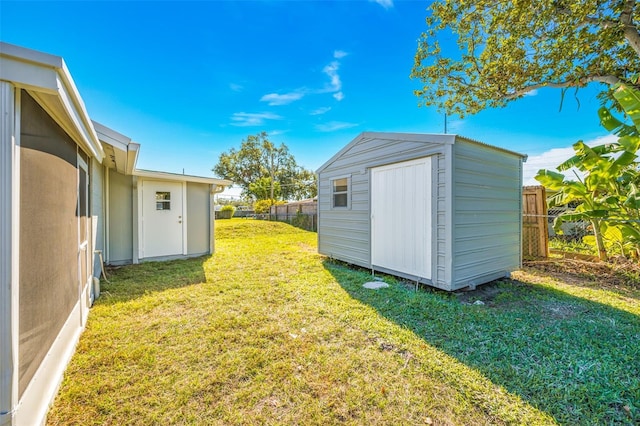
(608, 196)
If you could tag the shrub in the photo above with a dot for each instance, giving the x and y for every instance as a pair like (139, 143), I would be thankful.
(263, 206)
(227, 212)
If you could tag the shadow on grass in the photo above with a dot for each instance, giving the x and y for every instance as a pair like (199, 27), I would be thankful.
(132, 281)
(575, 359)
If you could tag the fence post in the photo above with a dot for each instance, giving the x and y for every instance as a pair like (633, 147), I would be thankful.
(535, 232)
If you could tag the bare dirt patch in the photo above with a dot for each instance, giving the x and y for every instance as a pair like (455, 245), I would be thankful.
(620, 276)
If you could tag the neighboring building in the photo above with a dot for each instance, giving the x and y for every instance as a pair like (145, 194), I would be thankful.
(441, 210)
(69, 190)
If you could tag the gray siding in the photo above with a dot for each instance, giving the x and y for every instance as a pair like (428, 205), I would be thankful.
(198, 226)
(476, 205)
(345, 234)
(120, 218)
(96, 181)
(486, 212)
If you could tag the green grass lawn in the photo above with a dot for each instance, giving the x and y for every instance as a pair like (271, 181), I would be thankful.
(266, 331)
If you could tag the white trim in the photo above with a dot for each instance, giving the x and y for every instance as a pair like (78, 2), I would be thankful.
(212, 219)
(440, 139)
(107, 225)
(180, 178)
(348, 192)
(83, 281)
(9, 248)
(44, 385)
(185, 246)
(137, 216)
(48, 80)
(450, 206)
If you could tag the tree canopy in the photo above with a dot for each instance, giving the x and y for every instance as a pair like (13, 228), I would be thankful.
(509, 48)
(265, 171)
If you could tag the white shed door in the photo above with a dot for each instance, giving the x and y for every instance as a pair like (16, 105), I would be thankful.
(162, 218)
(401, 217)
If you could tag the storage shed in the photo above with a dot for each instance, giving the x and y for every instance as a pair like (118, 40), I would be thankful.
(442, 210)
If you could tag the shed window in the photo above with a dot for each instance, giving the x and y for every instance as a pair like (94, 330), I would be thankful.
(163, 201)
(340, 192)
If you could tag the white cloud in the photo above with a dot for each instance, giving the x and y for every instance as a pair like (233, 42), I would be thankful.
(534, 92)
(332, 126)
(338, 54)
(552, 158)
(320, 111)
(334, 86)
(236, 87)
(246, 119)
(332, 71)
(387, 4)
(275, 99)
(277, 132)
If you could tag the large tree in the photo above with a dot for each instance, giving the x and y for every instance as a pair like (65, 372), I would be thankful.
(265, 171)
(506, 49)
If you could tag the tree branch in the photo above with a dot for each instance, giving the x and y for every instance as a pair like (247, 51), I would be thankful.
(630, 30)
(606, 79)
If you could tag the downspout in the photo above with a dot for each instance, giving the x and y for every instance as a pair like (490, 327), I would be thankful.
(107, 200)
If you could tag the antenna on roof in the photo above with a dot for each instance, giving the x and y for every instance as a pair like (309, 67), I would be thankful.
(445, 123)
(183, 167)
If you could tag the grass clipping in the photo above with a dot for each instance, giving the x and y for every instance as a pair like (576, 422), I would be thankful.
(266, 331)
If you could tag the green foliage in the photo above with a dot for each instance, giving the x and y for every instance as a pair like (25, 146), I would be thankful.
(261, 189)
(507, 49)
(228, 208)
(608, 196)
(264, 170)
(263, 206)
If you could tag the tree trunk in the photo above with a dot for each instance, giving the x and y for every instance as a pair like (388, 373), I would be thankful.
(602, 251)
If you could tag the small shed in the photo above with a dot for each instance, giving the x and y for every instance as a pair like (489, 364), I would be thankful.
(442, 210)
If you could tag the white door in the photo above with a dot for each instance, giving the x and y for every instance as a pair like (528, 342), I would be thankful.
(401, 217)
(162, 218)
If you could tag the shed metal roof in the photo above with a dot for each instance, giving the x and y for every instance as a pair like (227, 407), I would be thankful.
(444, 139)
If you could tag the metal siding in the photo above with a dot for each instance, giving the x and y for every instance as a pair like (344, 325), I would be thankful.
(345, 234)
(486, 230)
(198, 226)
(120, 218)
(96, 181)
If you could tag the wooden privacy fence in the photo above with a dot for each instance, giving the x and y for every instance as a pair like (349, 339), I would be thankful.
(302, 214)
(535, 226)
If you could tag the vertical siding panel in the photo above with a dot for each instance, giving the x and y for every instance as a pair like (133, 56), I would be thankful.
(120, 218)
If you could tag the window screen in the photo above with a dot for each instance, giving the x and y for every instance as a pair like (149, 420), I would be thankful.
(163, 201)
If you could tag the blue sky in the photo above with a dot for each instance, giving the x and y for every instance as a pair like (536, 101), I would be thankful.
(190, 80)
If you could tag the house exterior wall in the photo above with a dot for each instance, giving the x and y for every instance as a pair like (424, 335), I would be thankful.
(198, 218)
(487, 212)
(345, 233)
(120, 218)
(98, 214)
(48, 235)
